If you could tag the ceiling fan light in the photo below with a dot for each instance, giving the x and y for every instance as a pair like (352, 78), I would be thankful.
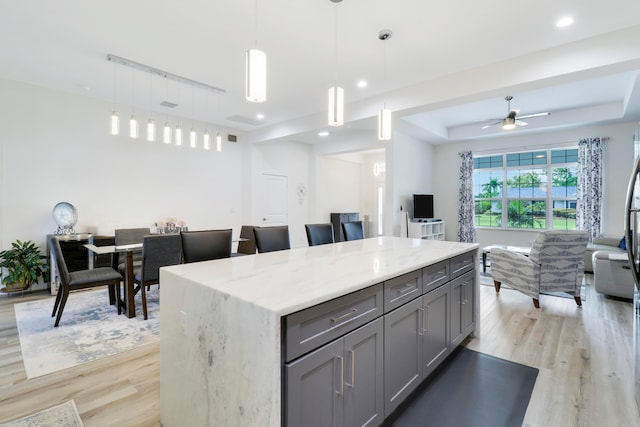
(508, 123)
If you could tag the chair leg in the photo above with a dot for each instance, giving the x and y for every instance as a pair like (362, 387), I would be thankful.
(536, 303)
(63, 301)
(497, 285)
(144, 301)
(57, 302)
(578, 301)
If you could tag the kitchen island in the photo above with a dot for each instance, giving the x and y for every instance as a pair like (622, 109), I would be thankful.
(231, 329)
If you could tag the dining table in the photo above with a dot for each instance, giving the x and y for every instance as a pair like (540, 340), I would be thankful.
(128, 302)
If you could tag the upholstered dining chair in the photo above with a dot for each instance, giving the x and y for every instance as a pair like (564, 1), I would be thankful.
(270, 239)
(555, 264)
(158, 250)
(205, 245)
(82, 279)
(247, 244)
(129, 236)
(353, 230)
(319, 234)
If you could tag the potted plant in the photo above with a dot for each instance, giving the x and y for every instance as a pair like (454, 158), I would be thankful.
(24, 265)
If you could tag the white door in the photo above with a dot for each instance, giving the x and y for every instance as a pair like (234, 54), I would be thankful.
(274, 200)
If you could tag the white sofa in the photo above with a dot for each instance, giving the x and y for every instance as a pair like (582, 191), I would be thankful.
(612, 274)
(601, 243)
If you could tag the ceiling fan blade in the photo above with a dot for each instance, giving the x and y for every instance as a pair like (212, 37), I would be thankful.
(521, 123)
(528, 116)
(488, 125)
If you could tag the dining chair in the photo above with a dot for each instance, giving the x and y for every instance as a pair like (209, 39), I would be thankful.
(270, 239)
(247, 244)
(205, 245)
(81, 279)
(353, 230)
(158, 250)
(128, 236)
(319, 234)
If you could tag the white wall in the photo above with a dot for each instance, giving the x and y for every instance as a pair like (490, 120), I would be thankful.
(56, 147)
(409, 170)
(618, 158)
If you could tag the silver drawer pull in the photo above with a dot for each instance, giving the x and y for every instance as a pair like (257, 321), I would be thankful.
(341, 392)
(421, 328)
(407, 288)
(345, 316)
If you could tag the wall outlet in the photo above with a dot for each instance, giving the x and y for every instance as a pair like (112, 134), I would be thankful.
(183, 322)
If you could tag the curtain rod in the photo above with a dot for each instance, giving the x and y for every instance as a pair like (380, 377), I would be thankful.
(529, 148)
(161, 73)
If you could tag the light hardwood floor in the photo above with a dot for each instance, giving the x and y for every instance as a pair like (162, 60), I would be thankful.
(584, 357)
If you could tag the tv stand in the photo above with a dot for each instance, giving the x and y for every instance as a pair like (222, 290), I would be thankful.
(430, 229)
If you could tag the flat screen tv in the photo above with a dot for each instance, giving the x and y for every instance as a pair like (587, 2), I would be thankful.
(422, 206)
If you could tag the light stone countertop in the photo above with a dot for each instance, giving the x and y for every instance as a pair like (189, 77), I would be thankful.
(287, 281)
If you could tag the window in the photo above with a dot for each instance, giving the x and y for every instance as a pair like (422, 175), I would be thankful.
(538, 189)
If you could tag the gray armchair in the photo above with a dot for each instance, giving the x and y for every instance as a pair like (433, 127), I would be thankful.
(555, 264)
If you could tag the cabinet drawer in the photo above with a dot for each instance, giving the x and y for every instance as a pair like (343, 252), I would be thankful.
(435, 275)
(462, 263)
(402, 289)
(315, 326)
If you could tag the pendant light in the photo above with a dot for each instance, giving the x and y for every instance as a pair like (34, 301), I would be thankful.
(133, 121)
(336, 93)
(218, 142)
(178, 134)
(193, 135)
(384, 115)
(114, 121)
(256, 71)
(206, 140)
(151, 124)
(166, 130)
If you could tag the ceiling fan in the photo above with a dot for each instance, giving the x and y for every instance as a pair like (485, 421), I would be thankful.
(512, 120)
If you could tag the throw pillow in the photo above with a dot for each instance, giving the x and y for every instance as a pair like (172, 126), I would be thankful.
(622, 245)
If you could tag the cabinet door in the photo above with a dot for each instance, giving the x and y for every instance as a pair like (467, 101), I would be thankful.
(363, 382)
(315, 388)
(462, 307)
(436, 333)
(402, 353)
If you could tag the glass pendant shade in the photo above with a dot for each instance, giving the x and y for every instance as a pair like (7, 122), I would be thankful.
(133, 127)
(114, 123)
(384, 124)
(256, 76)
(218, 142)
(178, 135)
(336, 106)
(206, 140)
(151, 130)
(166, 133)
(193, 138)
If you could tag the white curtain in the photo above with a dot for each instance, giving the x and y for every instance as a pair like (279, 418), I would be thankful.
(466, 228)
(589, 192)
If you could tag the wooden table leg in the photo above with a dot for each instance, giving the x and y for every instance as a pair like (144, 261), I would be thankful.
(130, 308)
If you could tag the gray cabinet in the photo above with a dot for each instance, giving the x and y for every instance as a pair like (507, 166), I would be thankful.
(436, 333)
(340, 384)
(462, 307)
(402, 353)
(337, 219)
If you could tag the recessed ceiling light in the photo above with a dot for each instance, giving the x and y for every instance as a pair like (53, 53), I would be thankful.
(260, 116)
(363, 83)
(564, 22)
(323, 133)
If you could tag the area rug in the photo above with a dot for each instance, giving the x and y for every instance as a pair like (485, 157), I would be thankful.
(470, 389)
(64, 415)
(90, 329)
(487, 280)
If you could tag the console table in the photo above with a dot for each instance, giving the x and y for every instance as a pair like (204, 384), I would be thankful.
(236, 334)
